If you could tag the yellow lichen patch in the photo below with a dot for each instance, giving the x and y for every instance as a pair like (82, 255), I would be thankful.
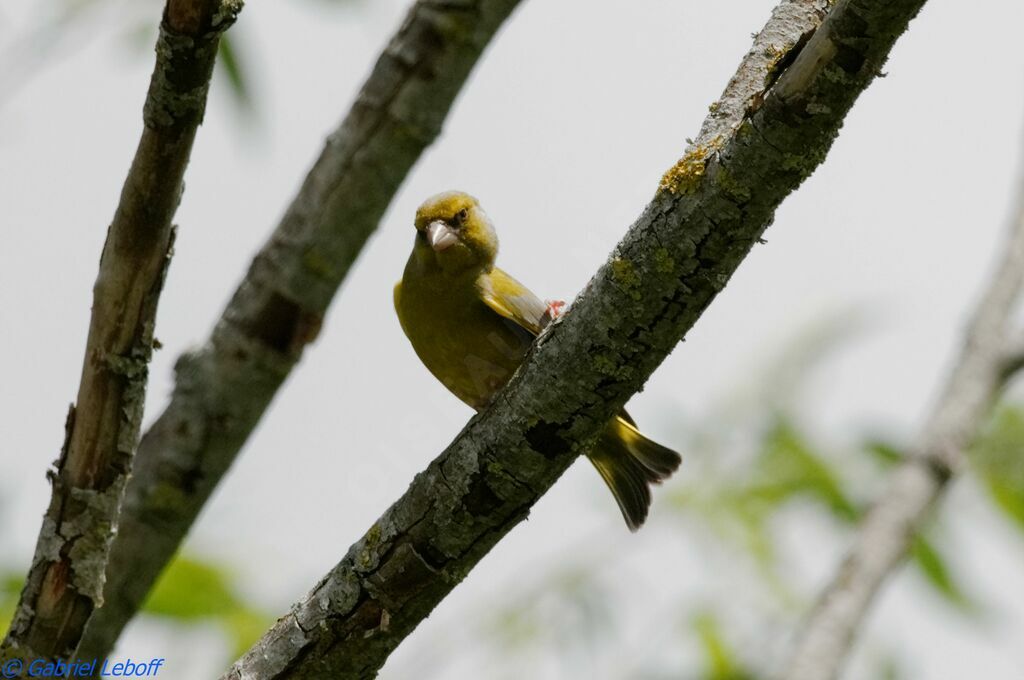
(685, 175)
(663, 262)
(367, 556)
(373, 535)
(775, 54)
(625, 275)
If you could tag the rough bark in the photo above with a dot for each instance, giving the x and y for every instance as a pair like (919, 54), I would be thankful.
(991, 354)
(222, 389)
(65, 581)
(774, 125)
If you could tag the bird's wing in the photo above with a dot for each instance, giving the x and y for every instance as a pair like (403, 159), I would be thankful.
(514, 301)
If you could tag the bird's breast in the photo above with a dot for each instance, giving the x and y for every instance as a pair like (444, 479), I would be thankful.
(468, 347)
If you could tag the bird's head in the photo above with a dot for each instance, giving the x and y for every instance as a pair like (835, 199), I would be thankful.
(454, 230)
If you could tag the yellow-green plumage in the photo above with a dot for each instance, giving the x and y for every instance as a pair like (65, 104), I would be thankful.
(471, 325)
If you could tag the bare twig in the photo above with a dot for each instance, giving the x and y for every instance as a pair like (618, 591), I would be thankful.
(990, 355)
(222, 389)
(65, 581)
(710, 210)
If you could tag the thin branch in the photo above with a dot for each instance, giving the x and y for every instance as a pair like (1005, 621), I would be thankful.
(65, 582)
(710, 210)
(989, 357)
(222, 390)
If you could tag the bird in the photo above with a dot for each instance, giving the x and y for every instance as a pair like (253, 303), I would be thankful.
(471, 324)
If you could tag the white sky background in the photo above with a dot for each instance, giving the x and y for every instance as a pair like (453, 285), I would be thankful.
(563, 133)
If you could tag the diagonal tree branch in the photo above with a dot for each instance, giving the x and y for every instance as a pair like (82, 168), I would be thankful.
(65, 582)
(770, 131)
(223, 389)
(989, 357)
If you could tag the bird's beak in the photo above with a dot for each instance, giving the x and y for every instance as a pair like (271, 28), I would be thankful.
(440, 236)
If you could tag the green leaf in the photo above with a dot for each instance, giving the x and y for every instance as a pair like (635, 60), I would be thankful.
(11, 584)
(788, 467)
(245, 626)
(721, 662)
(189, 590)
(998, 460)
(932, 565)
(10, 590)
(230, 65)
(752, 530)
(885, 453)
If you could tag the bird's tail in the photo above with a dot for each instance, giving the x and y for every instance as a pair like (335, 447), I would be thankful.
(629, 463)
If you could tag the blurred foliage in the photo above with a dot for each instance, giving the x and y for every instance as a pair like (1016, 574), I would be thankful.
(934, 566)
(788, 467)
(755, 468)
(191, 591)
(888, 668)
(721, 661)
(231, 65)
(10, 589)
(998, 461)
(885, 453)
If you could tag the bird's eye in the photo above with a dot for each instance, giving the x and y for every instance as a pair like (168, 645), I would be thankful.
(461, 216)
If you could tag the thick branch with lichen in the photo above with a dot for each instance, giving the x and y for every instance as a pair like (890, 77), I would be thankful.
(990, 356)
(65, 581)
(222, 389)
(772, 128)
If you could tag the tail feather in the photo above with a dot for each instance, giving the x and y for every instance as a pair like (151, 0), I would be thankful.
(627, 481)
(629, 463)
(659, 460)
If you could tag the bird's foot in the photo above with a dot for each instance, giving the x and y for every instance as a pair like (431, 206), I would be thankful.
(553, 311)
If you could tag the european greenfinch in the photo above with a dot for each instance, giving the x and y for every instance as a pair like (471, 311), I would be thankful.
(471, 324)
